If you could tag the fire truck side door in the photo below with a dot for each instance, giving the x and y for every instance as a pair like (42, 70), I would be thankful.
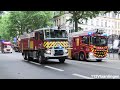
(76, 43)
(85, 43)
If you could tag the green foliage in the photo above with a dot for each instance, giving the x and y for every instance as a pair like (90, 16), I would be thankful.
(16, 22)
(4, 24)
(79, 16)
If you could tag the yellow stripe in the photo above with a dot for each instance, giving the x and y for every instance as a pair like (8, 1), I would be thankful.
(54, 44)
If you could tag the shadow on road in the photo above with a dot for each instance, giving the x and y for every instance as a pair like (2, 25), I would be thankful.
(86, 61)
(47, 62)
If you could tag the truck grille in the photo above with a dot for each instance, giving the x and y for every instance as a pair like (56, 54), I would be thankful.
(100, 54)
(59, 52)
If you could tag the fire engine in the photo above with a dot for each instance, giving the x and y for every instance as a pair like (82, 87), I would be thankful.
(6, 47)
(89, 45)
(44, 44)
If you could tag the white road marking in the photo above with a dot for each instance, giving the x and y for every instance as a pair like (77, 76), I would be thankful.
(78, 75)
(54, 68)
(99, 65)
(35, 63)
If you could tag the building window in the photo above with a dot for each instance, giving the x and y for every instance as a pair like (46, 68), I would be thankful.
(109, 24)
(106, 23)
(109, 15)
(112, 24)
(115, 24)
(86, 22)
(101, 23)
(117, 16)
(55, 22)
(63, 20)
(113, 15)
(91, 22)
(97, 23)
(59, 22)
(119, 25)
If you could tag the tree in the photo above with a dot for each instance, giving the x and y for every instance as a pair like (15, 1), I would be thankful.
(78, 16)
(1, 12)
(14, 23)
(4, 30)
(26, 21)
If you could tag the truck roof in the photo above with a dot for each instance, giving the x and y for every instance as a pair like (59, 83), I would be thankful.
(82, 33)
(6, 42)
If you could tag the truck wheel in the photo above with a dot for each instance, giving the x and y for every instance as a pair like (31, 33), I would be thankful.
(29, 58)
(81, 56)
(41, 59)
(62, 60)
(99, 60)
(25, 56)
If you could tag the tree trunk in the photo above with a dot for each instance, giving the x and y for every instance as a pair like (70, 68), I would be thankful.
(76, 26)
(75, 21)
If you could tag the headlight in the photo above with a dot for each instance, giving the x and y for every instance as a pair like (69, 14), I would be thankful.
(90, 54)
(48, 51)
(66, 51)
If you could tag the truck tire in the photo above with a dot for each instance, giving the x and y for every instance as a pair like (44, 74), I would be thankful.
(81, 56)
(41, 59)
(29, 58)
(25, 56)
(62, 60)
(99, 60)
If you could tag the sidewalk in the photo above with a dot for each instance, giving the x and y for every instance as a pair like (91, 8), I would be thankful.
(113, 56)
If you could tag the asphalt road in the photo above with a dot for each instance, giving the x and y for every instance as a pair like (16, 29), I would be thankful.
(13, 66)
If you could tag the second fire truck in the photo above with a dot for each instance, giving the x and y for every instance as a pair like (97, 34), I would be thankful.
(88, 45)
(44, 44)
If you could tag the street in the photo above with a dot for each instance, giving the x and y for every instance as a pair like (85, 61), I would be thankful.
(13, 66)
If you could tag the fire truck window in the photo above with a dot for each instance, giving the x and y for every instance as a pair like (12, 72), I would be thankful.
(85, 40)
(41, 35)
(36, 36)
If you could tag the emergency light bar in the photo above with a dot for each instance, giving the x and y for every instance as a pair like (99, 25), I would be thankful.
(6, 42)
(89, 33)
(104, 34)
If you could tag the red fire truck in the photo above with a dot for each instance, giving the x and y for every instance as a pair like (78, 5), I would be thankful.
(88, 45)
(6, 47)
(44, 44)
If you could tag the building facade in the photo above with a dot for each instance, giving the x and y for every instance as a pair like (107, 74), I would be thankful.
(109, 22)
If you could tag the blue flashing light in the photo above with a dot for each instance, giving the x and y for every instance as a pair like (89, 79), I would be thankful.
(89, 33)
(60, 47)
(15, 39)
(104, 34)
(3, 41)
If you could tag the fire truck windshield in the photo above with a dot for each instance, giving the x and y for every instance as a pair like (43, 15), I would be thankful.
(52, 34)
(99, 41)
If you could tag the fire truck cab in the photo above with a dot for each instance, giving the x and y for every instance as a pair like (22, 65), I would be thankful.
(44, 44)
(88, 45)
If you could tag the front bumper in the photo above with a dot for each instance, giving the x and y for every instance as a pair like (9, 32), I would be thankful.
(48, 56)
(6, 51)
(93, 58)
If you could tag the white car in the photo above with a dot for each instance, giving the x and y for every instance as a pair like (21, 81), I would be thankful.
(7, 49)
